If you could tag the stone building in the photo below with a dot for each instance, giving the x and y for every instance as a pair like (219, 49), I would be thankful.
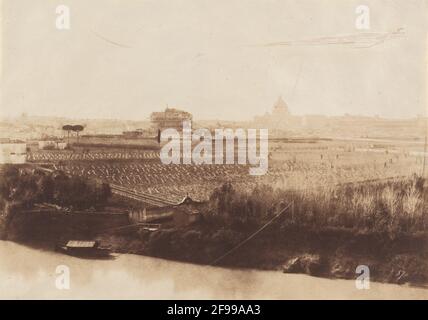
(170, 118)
(280, 118)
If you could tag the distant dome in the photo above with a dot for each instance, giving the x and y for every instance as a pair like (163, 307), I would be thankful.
(280, 107)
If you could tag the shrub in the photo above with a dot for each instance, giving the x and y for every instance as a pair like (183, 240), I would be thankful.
(393, 206)
(27, 188)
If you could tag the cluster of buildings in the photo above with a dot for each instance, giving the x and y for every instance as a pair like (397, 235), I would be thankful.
(15, 151)
(170, 118)
(280, 121)
(281, 118)
(52, 145)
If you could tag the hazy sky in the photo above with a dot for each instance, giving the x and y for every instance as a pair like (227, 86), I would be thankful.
(127, 58)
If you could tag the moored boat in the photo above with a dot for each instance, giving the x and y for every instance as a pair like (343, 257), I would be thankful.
(84, 249)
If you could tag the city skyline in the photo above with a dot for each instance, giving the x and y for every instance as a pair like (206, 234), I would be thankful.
(251, 119)
(232, 67)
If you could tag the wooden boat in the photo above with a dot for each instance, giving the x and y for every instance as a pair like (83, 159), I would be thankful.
(84, 249)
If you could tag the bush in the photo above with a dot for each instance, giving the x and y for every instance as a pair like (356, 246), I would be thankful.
(27, 188)
(393, 206)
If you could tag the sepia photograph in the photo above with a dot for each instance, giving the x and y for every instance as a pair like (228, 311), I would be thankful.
(213, 150)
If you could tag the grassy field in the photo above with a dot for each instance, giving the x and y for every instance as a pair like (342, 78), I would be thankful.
(292, 165)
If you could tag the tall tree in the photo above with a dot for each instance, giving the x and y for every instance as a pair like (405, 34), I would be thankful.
(68, 128)
(77, 128)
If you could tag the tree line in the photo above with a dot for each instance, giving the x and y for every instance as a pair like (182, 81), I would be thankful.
(25, 188)
(75, 128)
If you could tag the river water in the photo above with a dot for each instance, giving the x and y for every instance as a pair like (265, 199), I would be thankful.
(27, 273)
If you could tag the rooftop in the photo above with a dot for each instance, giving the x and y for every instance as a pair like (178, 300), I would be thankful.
(81, 244)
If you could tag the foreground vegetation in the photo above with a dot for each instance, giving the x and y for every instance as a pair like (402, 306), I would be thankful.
(25, 187)
(386, 206)
(21, 188)
(324, 231)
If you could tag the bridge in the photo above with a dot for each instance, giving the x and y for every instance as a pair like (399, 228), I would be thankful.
(150, 199)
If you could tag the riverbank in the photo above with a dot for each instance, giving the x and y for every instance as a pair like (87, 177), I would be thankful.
(141, 277)
(322, 252)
